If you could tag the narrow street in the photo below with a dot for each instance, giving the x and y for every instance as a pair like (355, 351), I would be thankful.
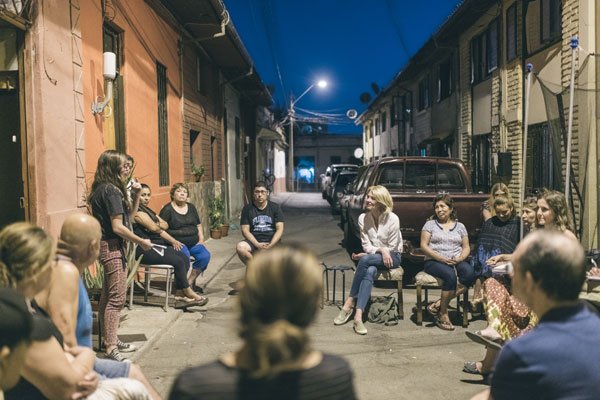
(401, 362)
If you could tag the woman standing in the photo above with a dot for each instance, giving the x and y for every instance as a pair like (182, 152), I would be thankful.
(445, 242)
(111, 207)
(186, 227)
(382, 245)
(150, 226)
(278, 302)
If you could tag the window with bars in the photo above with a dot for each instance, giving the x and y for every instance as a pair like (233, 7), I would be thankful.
(543, 165)
(163, 132)
(383, 121)
(511, 32)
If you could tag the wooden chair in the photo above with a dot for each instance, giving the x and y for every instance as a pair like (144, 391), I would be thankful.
(424, 282)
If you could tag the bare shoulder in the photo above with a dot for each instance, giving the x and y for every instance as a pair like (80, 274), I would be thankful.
(66, 271)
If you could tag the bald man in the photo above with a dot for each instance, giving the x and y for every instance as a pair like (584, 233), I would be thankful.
(66, 300)
(559, 358)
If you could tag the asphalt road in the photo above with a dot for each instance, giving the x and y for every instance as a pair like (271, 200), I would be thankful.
(397, 362)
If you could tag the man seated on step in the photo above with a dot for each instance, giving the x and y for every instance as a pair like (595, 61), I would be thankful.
(66, 299)
(261, 223)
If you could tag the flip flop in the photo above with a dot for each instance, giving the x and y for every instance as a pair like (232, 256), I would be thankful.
(184, 305)
(445, 325)
(470, 367)
(477, 337)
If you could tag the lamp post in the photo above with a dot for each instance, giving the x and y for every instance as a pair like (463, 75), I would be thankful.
(322, 84)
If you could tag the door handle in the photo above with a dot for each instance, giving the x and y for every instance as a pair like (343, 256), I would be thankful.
(22, 202)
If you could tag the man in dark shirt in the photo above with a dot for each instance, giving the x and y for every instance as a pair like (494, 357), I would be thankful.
(261, 224)
(559, 358)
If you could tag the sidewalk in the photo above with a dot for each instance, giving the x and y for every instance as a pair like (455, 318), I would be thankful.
(144, 324)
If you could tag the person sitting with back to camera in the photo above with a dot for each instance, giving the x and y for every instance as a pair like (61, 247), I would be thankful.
(382, 245)
(278, 302)
(148, 225)
(261, 224)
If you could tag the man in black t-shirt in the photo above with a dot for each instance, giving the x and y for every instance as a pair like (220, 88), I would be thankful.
(261, 224)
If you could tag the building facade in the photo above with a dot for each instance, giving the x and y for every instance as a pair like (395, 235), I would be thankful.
(464, 95)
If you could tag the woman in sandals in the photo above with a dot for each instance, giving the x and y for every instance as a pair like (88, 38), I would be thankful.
(507, 317)
(185, 226)
(150, 226)
(382, 246)
(111, 206)
(445, 242)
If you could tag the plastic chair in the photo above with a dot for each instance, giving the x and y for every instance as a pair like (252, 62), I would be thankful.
(153, 269)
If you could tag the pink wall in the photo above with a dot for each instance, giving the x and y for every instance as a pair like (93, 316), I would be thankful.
(147, 39)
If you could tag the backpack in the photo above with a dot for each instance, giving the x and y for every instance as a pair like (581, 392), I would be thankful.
(383, 310)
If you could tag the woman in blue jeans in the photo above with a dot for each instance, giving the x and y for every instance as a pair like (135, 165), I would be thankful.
(445, 242)
(382, 245)
(185, 226)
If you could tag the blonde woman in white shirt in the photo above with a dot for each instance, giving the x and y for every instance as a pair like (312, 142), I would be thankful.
(382, 246)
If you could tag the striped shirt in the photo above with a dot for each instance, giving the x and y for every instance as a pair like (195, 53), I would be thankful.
(447, 244)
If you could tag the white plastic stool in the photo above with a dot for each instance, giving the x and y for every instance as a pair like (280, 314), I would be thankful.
(149, 270)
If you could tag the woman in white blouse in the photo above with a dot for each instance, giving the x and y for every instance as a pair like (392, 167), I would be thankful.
(382, 245)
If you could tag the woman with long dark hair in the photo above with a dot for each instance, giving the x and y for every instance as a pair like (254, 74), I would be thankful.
(110, 205)
(445, 242)
(150, 226)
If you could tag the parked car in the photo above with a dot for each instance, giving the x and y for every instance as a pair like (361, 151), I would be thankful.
(413, 183)
(335, 170)
(339, 185)
(350, 188)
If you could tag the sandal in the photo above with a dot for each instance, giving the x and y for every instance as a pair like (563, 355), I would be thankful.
(477, 337)
(433, 309)
(445, 325)
(470, 367)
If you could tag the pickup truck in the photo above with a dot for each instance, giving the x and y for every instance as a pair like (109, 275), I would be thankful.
(413, 183)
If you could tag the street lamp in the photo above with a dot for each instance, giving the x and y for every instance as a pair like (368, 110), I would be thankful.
(321, 84)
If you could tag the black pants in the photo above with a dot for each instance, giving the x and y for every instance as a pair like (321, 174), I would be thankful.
(177, 259)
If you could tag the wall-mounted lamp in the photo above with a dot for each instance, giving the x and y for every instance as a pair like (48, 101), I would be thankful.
(110, 73)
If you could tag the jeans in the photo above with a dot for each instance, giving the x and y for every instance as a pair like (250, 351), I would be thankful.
(201, 256)
(365, 274)
(447, 273)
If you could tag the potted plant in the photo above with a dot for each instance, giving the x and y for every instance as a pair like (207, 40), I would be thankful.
(215, 215)
(198, 171)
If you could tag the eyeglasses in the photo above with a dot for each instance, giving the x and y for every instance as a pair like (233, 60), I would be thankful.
(261, 191)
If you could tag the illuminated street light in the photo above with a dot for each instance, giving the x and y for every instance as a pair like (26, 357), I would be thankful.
(321, 84)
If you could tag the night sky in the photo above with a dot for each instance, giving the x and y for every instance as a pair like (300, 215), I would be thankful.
(349, 43)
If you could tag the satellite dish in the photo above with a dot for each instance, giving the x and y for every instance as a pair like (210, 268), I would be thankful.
(358, 152)
(365, 97)
(375, 87)
(352, 113)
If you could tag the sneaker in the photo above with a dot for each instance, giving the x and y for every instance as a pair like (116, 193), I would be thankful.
(359, 328)
(115, 356)
(342, 317)
(125, 347)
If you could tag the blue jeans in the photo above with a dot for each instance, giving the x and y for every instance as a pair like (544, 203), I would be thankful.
(447, 273)
(365, 274)
(201, 256)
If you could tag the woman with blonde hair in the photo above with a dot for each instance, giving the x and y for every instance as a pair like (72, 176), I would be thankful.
(487, 207)
(278, 302)
(552, 212)
(382, 248)
(26, 263)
